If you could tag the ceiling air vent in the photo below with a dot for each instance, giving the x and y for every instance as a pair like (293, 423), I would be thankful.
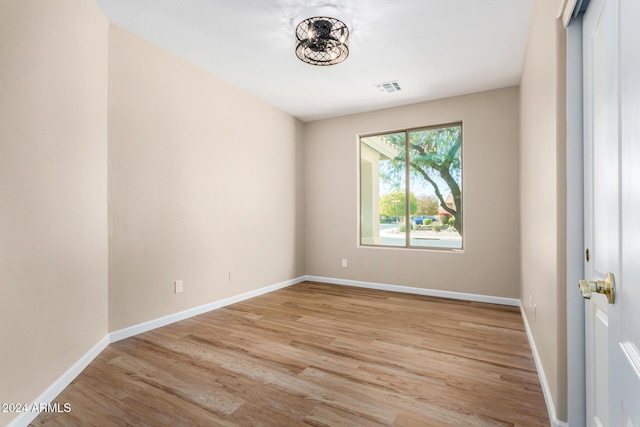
(389, 87)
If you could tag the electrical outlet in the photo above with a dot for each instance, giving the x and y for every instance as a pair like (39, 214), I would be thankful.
(178, 286)
(230, 276)
(344, 263)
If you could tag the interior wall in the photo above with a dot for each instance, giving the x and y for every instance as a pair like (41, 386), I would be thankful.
(205, 185)
(53, 191)
(489, 264)
(543, 195)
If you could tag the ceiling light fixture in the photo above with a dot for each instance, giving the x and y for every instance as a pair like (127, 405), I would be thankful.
(322, 41)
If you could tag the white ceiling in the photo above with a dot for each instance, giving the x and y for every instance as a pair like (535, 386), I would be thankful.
(434, 48)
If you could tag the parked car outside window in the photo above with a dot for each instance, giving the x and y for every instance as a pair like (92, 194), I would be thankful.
(419, 220)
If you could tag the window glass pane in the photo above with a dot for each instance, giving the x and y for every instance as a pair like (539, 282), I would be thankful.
(411, 188)
(382, 190)
(435, 158)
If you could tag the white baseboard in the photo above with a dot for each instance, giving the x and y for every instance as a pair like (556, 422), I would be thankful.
(182, 315)
(25, 418)
(419, 291)
(555, 422)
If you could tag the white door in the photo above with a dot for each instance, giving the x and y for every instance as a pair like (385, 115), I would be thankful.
(624, 346)
(601, 193)
(611, 42)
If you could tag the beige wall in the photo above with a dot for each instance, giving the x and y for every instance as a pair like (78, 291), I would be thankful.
(53, 191)
(490, 263)
(203, 179)
(543, 194)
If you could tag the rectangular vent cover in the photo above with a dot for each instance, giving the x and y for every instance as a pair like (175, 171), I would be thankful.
(389, 87)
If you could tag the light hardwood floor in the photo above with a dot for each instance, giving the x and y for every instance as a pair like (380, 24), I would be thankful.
(320, 355)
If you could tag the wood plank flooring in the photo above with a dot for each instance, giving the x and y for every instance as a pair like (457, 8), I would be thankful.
(318, 355)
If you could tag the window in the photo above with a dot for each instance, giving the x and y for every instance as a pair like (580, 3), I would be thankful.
(411, 188)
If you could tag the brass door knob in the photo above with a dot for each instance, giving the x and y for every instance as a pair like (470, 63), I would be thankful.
(606, 287)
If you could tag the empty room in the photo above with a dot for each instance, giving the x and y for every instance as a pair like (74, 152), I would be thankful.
(344, 213)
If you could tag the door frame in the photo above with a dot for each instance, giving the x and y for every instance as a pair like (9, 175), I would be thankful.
(576, 382)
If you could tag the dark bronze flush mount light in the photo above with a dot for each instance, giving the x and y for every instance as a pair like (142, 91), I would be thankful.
(322, 41)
